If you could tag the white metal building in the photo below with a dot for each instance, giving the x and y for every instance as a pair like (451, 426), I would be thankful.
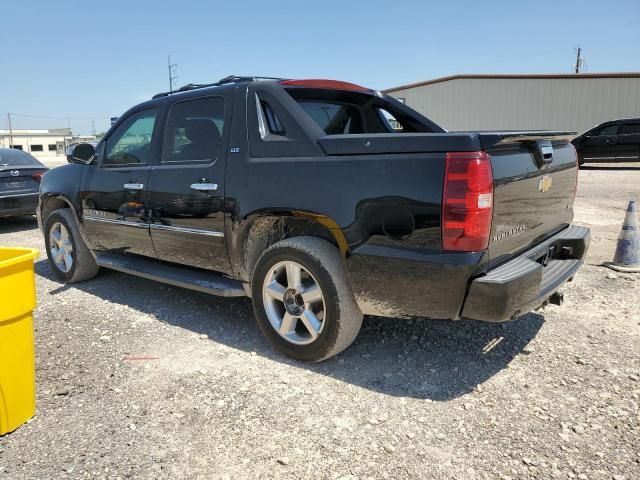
(42, 144)
(572, 102)
(48, 146)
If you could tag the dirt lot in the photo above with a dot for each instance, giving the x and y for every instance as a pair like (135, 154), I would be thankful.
(141, 380)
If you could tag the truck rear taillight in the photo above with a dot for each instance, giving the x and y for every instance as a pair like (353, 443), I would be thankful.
(467, 201)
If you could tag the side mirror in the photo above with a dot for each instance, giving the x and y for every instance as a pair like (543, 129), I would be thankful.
(82, 153)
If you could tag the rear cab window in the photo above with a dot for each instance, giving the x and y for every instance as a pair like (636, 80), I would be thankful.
(334, 118)
(341, 112)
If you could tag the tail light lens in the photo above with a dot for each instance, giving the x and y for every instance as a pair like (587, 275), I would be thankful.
(467, 203)
(37, 176)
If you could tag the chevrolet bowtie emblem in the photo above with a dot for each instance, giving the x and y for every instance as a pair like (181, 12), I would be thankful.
(545, 183)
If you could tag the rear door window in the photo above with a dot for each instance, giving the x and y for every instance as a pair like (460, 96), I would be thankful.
(631, 128)
(194, 131)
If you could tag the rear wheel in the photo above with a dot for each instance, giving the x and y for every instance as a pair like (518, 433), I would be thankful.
(70, 259)
(302, 300)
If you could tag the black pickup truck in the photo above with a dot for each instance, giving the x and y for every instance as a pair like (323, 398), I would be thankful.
(322, 201)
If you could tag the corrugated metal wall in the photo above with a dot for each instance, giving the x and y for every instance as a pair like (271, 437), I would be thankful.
(574, 104)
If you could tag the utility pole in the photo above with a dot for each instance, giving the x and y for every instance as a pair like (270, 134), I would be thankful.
(10, 131)
(579, 60)
(172, 72)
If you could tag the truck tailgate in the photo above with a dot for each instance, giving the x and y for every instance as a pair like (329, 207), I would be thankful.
(535, 175)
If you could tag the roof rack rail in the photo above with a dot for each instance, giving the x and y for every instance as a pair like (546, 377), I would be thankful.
(222, 81)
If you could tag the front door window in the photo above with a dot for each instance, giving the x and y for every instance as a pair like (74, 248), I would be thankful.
(130, 144)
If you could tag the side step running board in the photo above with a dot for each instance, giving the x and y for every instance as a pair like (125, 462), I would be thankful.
(194, 279)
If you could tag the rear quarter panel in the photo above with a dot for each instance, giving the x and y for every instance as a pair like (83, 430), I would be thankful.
(357, 192)
(387, 206)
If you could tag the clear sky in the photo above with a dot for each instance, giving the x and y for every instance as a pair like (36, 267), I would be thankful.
(91, 60)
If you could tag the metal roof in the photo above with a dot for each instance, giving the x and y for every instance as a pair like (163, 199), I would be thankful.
(485, 76)
(52, 132)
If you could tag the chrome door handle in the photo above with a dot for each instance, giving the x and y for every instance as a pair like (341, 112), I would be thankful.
(204, 187)
(133, 186)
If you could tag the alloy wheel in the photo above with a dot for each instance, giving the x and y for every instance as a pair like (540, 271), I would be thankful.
(61, 247)
(294, 303)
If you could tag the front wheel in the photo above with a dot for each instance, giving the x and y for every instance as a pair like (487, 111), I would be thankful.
(302, 299)
(70, 259)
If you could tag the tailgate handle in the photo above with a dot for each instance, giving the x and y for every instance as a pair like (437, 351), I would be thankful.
(542, 152)
(547, 152)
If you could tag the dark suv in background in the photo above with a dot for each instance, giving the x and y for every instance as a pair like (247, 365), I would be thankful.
(613, 141)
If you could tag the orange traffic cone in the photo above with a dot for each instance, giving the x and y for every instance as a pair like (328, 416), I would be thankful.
(627, 256)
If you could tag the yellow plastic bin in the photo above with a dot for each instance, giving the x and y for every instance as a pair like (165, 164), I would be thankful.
(17, 350)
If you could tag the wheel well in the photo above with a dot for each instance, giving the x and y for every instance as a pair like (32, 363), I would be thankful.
(51, 204)
(267, 230)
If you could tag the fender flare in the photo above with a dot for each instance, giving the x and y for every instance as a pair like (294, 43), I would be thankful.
(331, 225)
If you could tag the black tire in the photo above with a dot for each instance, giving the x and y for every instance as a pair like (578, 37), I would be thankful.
(84, 265)
(342, 317)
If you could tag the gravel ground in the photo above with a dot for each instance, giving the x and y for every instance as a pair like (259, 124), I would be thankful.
(142, 380)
